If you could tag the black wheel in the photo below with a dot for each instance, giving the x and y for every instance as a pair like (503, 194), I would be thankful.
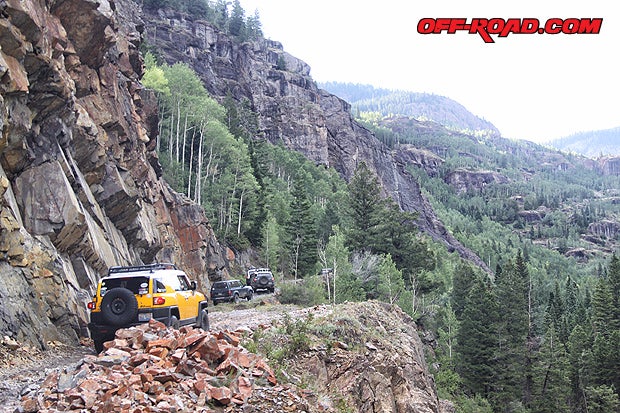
(236, 298)
(119, 307)
(204, 320)
(250, 295)
(174, 322)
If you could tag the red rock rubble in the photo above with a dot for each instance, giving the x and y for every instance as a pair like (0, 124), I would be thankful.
(150, 368)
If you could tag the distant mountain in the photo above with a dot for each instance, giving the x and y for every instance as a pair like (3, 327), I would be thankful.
(592, 144)
(420, 106)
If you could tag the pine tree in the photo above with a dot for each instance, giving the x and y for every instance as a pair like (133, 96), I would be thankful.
(365, 210)
(477, 338)
(301, 230)
(462, 283)
(551, 385)
(513, 328)
(613, 273)
(579, 359)
(236, 24)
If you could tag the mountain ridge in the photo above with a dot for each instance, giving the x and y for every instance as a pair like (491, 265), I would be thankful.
(418, 105)
(593, 144)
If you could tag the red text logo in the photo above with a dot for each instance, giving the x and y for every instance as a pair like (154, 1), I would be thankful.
(503, 27)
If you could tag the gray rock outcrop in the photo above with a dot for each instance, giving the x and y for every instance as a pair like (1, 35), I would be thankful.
(79, 191)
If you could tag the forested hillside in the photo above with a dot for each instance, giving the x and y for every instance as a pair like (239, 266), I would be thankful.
(420, 106)
(592, 144)
(538, 332)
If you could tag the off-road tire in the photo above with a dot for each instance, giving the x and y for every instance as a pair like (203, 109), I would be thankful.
(203, 317)
(98, 345)
(174, 322)
(119, 307)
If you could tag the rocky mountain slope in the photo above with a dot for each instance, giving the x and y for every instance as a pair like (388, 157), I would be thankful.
(592, 144)
(80, 184)
(291, 109)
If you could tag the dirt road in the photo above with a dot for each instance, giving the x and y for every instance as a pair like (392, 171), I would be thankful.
(24, 368)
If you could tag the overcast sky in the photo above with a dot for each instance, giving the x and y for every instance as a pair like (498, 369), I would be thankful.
(530, 86)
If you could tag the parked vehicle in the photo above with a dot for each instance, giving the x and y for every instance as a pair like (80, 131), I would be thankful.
(133, 295)
(230, 291)
(261, 279)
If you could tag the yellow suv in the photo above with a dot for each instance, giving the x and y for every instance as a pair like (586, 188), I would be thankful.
(129, 296)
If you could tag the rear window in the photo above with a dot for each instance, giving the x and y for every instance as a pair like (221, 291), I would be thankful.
(137, 285)
(219, 284)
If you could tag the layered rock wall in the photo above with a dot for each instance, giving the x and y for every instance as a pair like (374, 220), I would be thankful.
(78, 187)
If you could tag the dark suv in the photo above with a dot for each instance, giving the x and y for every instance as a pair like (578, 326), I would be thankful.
(261, 279)
(230, 291)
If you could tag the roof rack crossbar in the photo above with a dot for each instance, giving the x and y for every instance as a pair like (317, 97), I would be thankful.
(145, 267)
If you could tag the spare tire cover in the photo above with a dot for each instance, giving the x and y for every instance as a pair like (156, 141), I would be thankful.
(119, 307)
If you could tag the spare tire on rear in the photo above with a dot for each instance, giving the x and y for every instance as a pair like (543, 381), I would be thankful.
(119, 307)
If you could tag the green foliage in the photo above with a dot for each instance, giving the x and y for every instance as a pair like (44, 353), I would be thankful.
(301, 229)
(476, 404)
(391, 283)
(227, 16)
(377, 225)
(307, 292)
(477, 338)
(602, 399)
(551, 384)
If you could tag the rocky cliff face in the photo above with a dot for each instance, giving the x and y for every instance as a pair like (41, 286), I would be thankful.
(79, 187)
(464, 180)
(291, 109)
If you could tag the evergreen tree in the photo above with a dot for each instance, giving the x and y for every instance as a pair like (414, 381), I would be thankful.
(477, 338)
(602, 399)
(236, 24)
(462, 283)
(606, 347)
(613, 273)
(513, 327)
(365, 210)
(579, 356)
(301, 230)
(551, 384)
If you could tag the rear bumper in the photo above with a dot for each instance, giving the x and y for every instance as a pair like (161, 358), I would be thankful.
(100, 330)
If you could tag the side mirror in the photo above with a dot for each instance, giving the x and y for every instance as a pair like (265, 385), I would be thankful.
(192, 285)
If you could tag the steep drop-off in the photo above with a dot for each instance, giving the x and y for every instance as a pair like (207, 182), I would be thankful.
(80, 184)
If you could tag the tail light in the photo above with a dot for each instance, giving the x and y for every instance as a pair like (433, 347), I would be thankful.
(91, 305)
(159, 300)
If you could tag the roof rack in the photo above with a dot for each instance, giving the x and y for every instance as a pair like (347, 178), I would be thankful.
(145, 267)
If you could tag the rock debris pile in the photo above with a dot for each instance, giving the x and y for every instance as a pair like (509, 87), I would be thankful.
(150, 368)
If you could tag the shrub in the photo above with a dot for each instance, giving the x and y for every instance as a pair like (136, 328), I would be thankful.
(307, 292)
